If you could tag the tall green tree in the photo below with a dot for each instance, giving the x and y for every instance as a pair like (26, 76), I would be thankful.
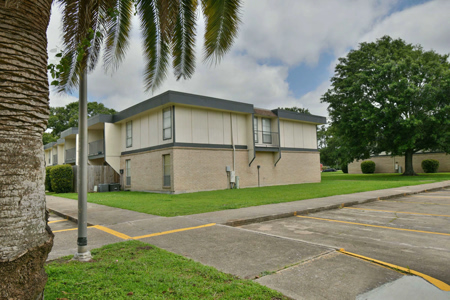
(297, 109)
(64, 117)
(168, 30)
(391, 96)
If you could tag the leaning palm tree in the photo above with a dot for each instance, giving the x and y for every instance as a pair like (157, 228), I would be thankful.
(168, 30)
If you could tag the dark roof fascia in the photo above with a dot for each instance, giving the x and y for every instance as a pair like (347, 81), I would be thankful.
(69, 131)
(184, 99)
(60, 141)
(286, 114)
(100, 119)
(49, 145)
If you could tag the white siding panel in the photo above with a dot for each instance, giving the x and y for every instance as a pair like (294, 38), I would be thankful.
(241, 130)
(136, 134)
(153, 130)
(144, 131)
(298, 135)
(123, 137)
(199, 126)
(282, 139)
(309, 133)
(215, 127)
(183, 124)
(289, 134)
(226, 129)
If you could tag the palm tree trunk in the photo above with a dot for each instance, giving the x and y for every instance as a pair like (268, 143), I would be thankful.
(24, 237)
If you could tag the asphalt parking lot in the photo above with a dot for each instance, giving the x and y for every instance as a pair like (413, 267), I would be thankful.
(412, 231)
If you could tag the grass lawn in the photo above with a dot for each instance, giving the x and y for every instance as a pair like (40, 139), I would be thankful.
(136, 270)
(193, 203)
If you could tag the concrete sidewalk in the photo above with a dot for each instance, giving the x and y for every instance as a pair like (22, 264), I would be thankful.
(209, 238)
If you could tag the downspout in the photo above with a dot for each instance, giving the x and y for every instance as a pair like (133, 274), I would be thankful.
(253, 138)
(279, 140)
(232, 142)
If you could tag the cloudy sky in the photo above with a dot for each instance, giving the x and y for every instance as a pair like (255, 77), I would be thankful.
(284, 55)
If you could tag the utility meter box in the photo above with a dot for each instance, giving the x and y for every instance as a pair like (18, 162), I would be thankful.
(232, 177)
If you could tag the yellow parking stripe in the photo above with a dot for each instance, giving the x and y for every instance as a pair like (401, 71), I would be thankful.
(439, 284)
(70, 229)
(370, 225)
(173, 231)
(51, 222)
(432, 196)
(429, 203)
(397, 212)
(126, 237)
(113, 232)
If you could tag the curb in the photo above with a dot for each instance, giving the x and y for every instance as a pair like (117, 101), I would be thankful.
(241, 222)
(63, 215)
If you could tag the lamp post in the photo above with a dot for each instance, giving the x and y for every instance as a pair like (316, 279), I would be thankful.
(82, 254)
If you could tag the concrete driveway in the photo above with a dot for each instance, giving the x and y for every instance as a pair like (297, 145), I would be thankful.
(297, 255)
(412, 232)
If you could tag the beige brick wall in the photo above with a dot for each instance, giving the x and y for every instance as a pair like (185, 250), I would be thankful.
(204, 169)
(385, 164)
(146, 171)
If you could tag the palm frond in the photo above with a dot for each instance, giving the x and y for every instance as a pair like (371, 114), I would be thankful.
(117, 32)
(82, 19)
(156, 44)
(222, 18)
(183, 39)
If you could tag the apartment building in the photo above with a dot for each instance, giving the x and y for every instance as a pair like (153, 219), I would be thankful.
(177, 142)
(395, 164)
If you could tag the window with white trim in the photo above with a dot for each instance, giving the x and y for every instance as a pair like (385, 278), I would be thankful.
(167, 170)
(266, 131)
(129, 139)
(128, 171)
(167, 123)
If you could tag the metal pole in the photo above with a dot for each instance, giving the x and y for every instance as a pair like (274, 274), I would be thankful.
(259, 185)
(83, 254)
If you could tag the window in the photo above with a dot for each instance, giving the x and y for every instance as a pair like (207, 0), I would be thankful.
(128, 171)
(266, 131)
(167, 123)
(255, 128)
(167, 171)
(129, 134)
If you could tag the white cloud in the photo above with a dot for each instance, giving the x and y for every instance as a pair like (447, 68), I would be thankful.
(274, 37)
(427, 24)
(295, 31)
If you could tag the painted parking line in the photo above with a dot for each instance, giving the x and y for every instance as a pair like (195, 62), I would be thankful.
(377, 226)
(127, 237)
(428, 203)
(431, 196)
(51, 222)
(173, 231)
(439, 284)
(397, 212)
(113, 232)
(70, 229)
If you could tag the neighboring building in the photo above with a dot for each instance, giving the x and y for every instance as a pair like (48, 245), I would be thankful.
(177, 142)
(395, 164)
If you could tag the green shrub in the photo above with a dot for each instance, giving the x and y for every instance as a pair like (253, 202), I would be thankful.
(61, 178)
(344, 169)
(48, 184)
(430, 165)
(368, 167)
